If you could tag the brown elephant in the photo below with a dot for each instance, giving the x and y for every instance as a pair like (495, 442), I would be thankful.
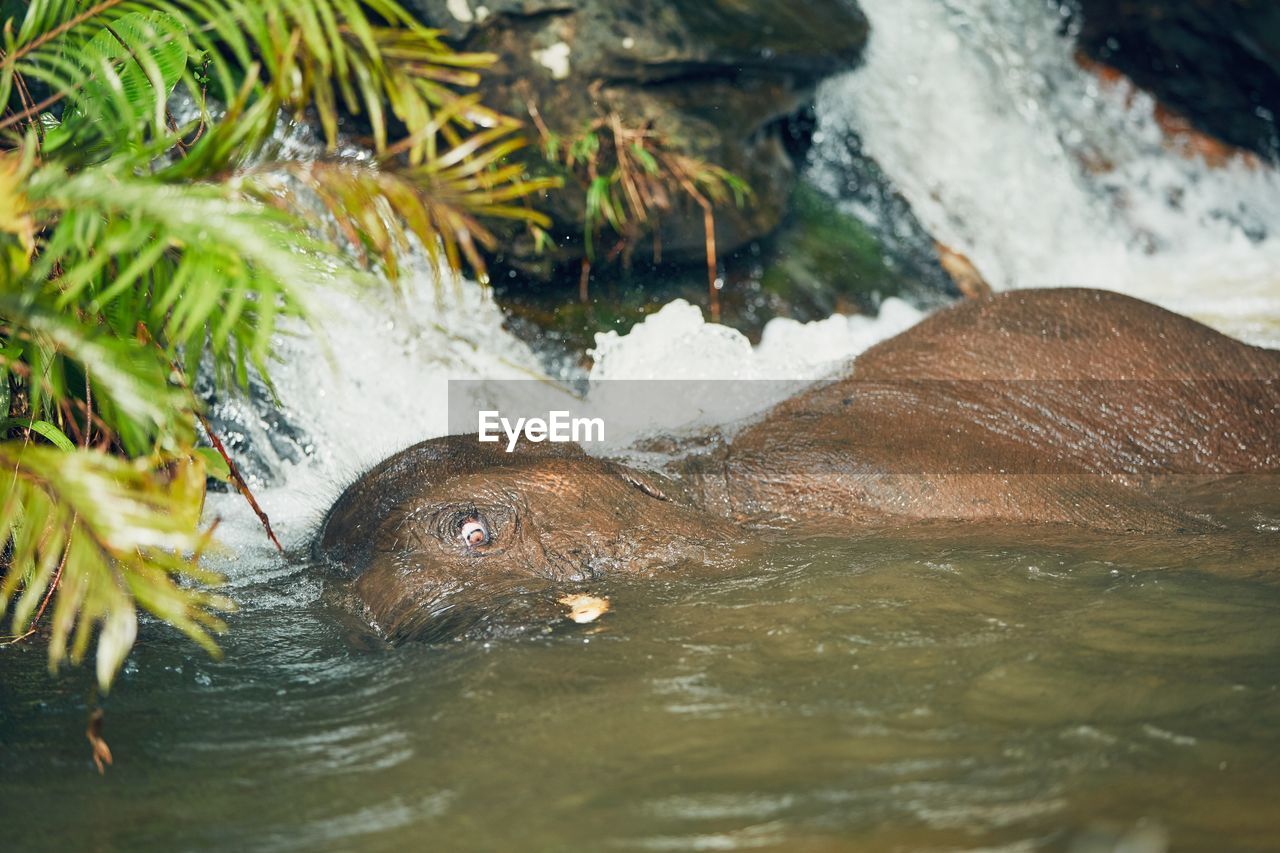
(1068, 407)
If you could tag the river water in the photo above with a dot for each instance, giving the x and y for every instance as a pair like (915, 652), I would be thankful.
(958, 688)
(953, 692)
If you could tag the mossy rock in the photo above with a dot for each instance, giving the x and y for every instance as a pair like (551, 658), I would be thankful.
(720, 80)
(824, 260)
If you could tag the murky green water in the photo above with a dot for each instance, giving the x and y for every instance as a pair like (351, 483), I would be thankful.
(963, 689)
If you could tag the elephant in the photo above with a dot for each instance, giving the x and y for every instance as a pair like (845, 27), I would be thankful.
(1069, 407)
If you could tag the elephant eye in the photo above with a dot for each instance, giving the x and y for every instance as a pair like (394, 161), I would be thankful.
(474, 533)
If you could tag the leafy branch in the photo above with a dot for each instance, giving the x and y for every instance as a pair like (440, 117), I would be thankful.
(109, 532)
(142, 236)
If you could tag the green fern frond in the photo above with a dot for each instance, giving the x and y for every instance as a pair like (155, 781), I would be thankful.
(632, 176)
(197, 266)
(134, 242)
(131, 385)
(117, 61)
(108, 533)
(440, 202)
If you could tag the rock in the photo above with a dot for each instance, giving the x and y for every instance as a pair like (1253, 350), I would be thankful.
(257, 432)
(824, 260)
(1218, 63)
(724, 80)
(821, 260)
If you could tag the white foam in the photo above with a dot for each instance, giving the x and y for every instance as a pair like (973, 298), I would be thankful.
(1043, 176)
(677, 343)
(375, 378)
(818, 348)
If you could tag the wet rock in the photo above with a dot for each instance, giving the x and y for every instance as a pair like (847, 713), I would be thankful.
(968, 280)
(821, 260)
(726, 80)
(560, 327)
(825, 260)
(1218, 63)
(259, 435)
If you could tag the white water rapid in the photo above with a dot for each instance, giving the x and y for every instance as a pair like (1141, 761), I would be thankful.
(1043, 175)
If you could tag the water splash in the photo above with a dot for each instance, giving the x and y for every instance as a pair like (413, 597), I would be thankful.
(676, 343)
(372, 378)
(1044, 175)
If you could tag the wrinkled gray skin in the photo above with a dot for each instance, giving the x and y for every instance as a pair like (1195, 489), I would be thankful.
(1069, 407)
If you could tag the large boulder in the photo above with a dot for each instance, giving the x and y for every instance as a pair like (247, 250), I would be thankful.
(724, 80)
(1218, 63)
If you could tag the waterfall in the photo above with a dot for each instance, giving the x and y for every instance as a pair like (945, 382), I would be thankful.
(1041, 173)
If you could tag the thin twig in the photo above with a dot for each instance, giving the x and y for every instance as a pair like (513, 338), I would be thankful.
(104, 431)
(35, 109)
(173, 126)
(48, 594)
(624, 169)
(24, 94)
(57, 576)
(583, 281)
(543, 131)
(708, 223)
(203, 113)
(88, 407)
(67, 422)
(93, 732)
(241, 485)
